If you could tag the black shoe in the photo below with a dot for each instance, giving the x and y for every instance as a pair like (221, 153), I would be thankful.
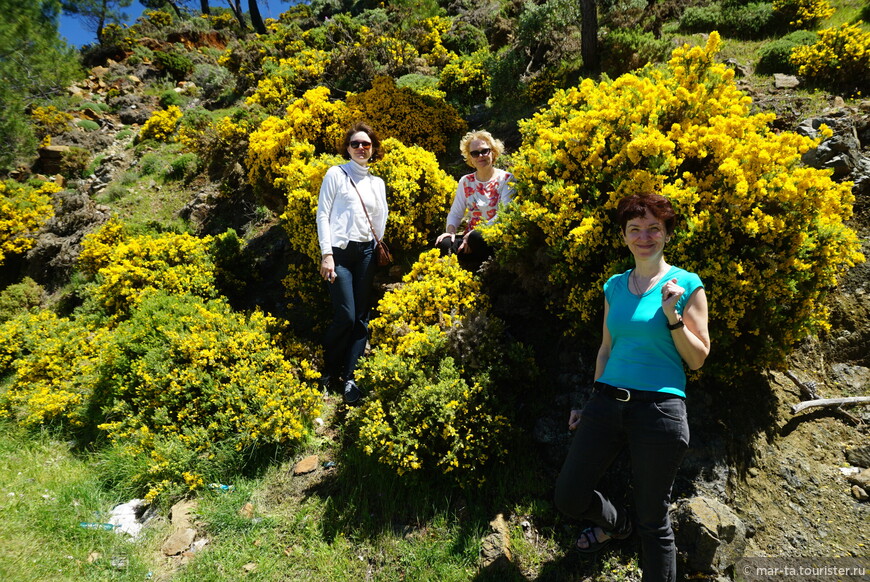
(352, 393)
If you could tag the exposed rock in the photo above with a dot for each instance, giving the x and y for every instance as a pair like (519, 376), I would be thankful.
(548, 431)
(133, 109)
(781, 81)
(179, 541)
(192, 39)
(50, 159)
(862, 479)
(841, 152)
(306, 465)
(859, 456)
(495, 548)
(739, 69)
(859, 493)
(851, 376)
(53, 257)
(709, 536)
(247, 510)
(181, 514)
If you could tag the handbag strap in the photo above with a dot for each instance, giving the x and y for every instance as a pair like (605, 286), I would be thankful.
(371, 226)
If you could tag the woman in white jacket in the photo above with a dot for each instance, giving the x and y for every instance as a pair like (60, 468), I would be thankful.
(352, 203)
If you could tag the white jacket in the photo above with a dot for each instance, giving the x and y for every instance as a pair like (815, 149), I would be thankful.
(340, 217)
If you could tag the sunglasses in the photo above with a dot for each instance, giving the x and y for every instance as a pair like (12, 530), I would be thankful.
(480, 152)
(361, 144)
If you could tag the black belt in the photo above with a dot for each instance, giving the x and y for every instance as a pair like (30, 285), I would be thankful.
(627, 395)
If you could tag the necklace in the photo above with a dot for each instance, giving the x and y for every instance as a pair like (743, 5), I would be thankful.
(652, 282)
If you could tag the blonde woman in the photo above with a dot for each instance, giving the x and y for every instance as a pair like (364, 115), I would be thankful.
(477, 200)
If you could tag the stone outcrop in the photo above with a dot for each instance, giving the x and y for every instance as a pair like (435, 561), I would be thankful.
(710, 537)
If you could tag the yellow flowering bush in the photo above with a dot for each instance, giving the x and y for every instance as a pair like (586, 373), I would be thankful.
(803, 14)
(404, 114)
(431, 41)
(419, 193)
(135, 266)
(161, 125)
(49, 120)
(464, 78)
(438, 407)
(313, 119)
(299, 182)
(98, 246)
(285, 76)
(192, 382)
(157, 18)
(23, 209)
(436, 291)
(765, 234)
(840, 58)
(50, 364)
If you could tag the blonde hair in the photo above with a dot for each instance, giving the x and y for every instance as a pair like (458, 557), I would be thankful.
(495, 145)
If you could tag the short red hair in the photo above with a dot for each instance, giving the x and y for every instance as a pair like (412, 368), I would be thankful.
(637, 205)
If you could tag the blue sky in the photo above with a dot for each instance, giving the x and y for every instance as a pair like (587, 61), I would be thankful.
(72, 30)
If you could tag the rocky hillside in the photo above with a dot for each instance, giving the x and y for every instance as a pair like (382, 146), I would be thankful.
(774, 483)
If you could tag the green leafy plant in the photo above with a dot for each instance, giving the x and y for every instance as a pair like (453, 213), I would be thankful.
(775, 56)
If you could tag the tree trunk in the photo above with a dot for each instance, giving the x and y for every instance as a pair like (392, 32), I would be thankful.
(175, 7)
(101, 20)
(589, 37)
(237, 11)
(256, 19)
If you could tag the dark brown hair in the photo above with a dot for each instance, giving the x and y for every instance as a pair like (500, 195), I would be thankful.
(636, 206)
(377, 152)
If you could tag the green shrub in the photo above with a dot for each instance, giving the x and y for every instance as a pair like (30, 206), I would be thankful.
(183, 167)
(88, 125)
(775, 56)
(216, 83)
(74, 162)
(153, 164)
(175, 64)
(140, 54)
(754, 20)
(627, 49)
(170, 97)
(465, 38)
(95, 107)
(20, 297)
(701, 18)
(423, 84)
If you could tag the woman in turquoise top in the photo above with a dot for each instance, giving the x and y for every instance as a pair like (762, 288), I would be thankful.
(655, 321)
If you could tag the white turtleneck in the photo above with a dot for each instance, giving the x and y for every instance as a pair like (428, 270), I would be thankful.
(340, 217)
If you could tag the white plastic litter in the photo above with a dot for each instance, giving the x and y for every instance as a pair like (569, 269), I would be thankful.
(129, 517)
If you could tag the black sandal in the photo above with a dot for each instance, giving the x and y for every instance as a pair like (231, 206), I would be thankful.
(595, 545)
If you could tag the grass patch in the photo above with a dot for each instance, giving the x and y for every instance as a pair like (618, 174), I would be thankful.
(45, 493)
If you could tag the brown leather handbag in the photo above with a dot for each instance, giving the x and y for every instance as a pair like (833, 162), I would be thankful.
(383, 256)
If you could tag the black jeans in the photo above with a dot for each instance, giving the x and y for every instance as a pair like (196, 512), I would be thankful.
(657, 436)
(479, 250)
(345, 339)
